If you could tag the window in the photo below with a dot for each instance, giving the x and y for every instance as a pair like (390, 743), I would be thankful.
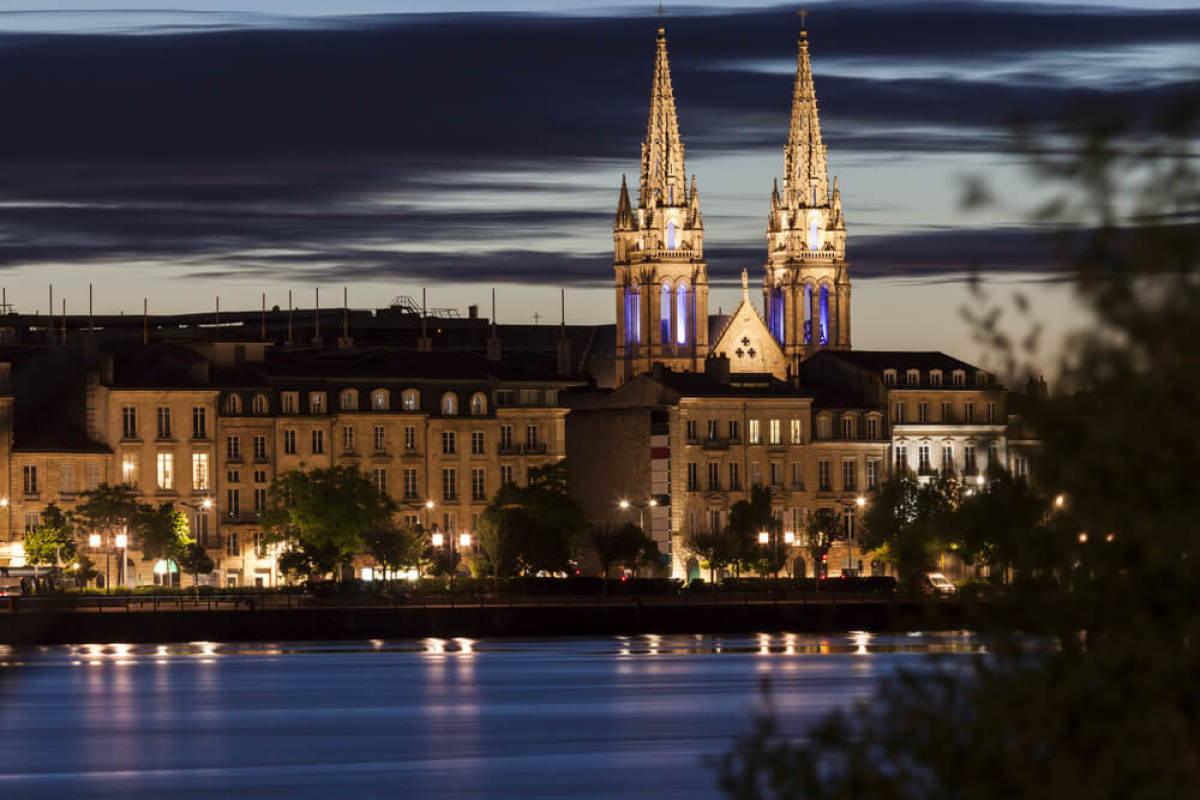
(693, 476)
(349, 400)
(527, 397)
(735, 477)
(231, 544)
(448, 442)
(531, 438)
(290, 401)
(889, 377)
(259, 404)
(477, 443)
(260, 500)
(318, 442)
(1021, 466)
(714, 521)
(256, 539)
(755, 434)
(712, 430)
(797, 433)
(449, 484)
(958, 377)
(849, 476)
(381, 483)
(233, 448)
(901, 459)
(260, 476)
(993, 456)
(200, 527)
(32, 520)
(506, 397)
(948, 458)
(166, 471)
(797, 476)
(755, 474)
(233, 476)
(774, 432)
(410, 484)
(164, 422)
(260, 447)
(199, 422)
(898, 412)
(505, 438)
(289, 442)
(690, 429)
(379, 439)
(991, 413)
(847, 427)
(409, 400)
(478, 493)
(735, 433)
(449, 522)
(969, 459)
(128, 422)
(714, 477)
(316, 402)
(969, 412)
(872, 428)
(824, 427)
(233, 503)
(93, 474)
(30, 479)
(775, 470)
(449, 404)
(410, 438)
(947, 412)
(129, 469)
(348, 438)
(922, 411)
(924, 466)
(506, 473)
(379, 400)
(935, 377)
(912, 377)
(824, 479)
(872, 474)
(233, 404)
(478, 404)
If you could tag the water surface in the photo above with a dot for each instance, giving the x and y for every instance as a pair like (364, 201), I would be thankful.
(627, 717)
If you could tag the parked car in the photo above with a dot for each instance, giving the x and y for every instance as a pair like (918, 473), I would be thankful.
(11, 587)
(939, 584)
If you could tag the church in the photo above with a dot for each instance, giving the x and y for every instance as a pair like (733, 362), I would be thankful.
(703, 407)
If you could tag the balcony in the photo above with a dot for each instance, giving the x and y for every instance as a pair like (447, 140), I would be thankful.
(715, 444)
(509, 449)
(535, 448)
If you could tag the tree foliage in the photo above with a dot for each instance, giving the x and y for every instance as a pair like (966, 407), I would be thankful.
(821, 529)
(53, 540)
(323, 517)
(623, 545)
(747, 518)
(1111, 710)
(714, 549)
(532, 528)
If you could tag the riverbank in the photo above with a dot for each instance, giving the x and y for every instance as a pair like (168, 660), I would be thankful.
(549, 619)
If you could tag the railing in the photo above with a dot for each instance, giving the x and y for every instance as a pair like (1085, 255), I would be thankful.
(536, 448)
(715, 444)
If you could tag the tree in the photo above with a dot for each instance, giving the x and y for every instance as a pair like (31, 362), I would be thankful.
(747, 518)
(106, 510)
(163, 535)
(626, 544)
(714, 548)
(820, 531)
(1109, 711)
(395, 546)
(1000, 525)
(533, 528)
(52, 541)
(195, 559)
(323, 517)
(907, 523)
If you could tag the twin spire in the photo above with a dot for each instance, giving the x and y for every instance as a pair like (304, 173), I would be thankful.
(663, 179)
(805, 173)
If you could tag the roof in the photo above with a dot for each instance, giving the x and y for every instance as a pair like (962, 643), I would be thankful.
(740, 384)
(379, 363)
(53, 436)
(899, 360)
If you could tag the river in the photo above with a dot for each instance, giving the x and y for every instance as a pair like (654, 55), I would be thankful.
(629, 717)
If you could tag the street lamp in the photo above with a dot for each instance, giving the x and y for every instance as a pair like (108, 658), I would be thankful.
(859, 502)
(122, 541)
(641, 507)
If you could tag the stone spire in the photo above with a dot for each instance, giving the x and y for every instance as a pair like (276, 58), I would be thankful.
(805, 174)
(663, 181)
(624, 220)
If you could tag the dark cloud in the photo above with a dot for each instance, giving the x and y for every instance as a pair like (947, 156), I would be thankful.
(329, 141)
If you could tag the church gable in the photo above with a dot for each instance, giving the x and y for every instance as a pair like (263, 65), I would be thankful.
(748, 344)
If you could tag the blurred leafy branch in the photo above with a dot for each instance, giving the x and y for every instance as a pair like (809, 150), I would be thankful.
(1113, 710)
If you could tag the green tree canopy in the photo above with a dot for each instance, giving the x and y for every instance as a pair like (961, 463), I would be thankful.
(53, 540)
(749, 517)
(625, 544)
(716, 549)
(323, 517)
(528, 529)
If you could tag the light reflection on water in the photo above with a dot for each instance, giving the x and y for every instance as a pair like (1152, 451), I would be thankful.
(445, 717)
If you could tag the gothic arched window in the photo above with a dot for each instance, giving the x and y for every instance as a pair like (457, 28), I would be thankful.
(233, 404)
(814, 236)
(664, 313)
(449, 403)
(478, 404)
(671, 235)
(681, 313)
(824, 311)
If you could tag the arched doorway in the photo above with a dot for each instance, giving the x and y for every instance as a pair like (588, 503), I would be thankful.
(799, 568)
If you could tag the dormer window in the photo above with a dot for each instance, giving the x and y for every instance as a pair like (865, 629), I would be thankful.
(316, 402)
(889, 377)
(409, 400)
(259, 404)
(913, 377)
(981, 378)
(958, 377)
(349, 400)
(233, 404)
(935, 377)
(449, 404)
(380, 400)
(478, 404)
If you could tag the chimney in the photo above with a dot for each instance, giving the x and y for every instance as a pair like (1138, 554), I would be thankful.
(717, 367)
(473, 311)
(424, 344)
(565, 366)
(493, 342)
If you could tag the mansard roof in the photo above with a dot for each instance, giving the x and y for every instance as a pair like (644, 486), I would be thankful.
(899, 360)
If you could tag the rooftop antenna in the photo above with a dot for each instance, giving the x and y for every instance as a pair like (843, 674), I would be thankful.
(493, 311)
(317, 315)
(345, 312)
(64, 322)
(803, 14)
(424, 313)
(50, 315)
(562, 297)
(218, 309)
(289, 316)
(90, 324)
(263, 326)
(145, 321)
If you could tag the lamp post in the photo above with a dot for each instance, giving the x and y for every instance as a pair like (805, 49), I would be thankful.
(625, 505)
(94, 543)
(859, 502)
(122, 541)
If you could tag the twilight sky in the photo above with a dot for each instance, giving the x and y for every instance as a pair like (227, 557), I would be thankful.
(182, 154)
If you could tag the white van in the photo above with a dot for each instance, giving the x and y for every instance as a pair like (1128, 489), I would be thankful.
(939, 584)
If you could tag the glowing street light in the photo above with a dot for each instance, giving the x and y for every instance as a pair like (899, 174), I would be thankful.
(206, 503)
(1083, 537)
(1060, 501)
(763, 537)
(94, 540)
(789, 537)
(437, 540)
(464, 541)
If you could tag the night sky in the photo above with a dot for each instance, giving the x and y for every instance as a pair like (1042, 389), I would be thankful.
(463, 146)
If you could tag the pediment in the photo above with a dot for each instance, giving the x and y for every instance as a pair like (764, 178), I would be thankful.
(748, 344)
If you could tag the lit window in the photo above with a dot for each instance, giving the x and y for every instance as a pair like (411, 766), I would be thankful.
(449, 404)
(166, 471)
(409, 400)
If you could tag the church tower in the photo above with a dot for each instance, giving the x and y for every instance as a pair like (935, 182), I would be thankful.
(806, 288)
(658, 249)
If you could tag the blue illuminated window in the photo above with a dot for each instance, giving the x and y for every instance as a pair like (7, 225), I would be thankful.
(681, 315)
(671, 235)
